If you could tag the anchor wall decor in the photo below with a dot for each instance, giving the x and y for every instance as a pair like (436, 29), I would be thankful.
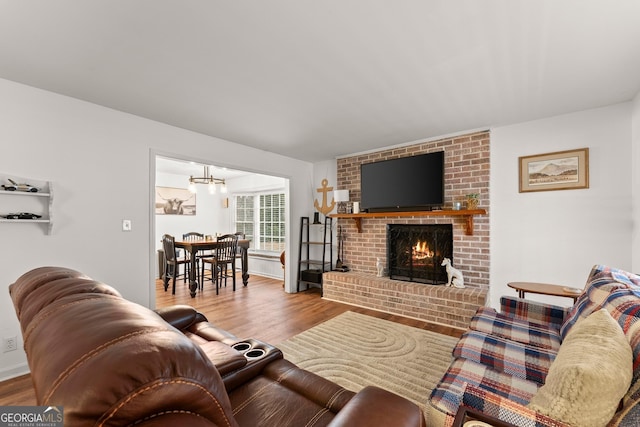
(324, 209)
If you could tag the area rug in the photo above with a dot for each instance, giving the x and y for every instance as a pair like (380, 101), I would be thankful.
(355, 350)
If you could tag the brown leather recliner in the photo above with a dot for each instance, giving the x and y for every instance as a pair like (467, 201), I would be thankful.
(109, 361)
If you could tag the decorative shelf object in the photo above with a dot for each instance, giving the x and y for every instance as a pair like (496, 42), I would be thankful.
(21, 197)
(468, 214)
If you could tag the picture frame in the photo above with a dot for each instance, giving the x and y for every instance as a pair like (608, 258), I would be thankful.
(561, 170)
(174, 201)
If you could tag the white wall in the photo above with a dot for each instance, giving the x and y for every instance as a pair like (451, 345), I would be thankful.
(102, 165)
(635, 171)
(557, 236)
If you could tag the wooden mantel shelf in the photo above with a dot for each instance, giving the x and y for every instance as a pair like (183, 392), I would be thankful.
(468, 214)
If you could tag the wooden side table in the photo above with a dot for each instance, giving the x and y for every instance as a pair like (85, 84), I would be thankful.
(545, 289)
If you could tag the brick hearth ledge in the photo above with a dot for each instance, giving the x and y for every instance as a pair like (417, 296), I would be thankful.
(432, 303)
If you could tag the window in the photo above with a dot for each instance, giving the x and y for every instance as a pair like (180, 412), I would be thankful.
(272, 222)
(244, 217)
(261, 217)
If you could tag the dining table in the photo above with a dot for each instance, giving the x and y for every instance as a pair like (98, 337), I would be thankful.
(195, 246)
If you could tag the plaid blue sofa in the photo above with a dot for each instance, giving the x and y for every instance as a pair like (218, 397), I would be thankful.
(503, 358)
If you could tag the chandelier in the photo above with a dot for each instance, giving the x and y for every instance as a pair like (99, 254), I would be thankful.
(209, 180)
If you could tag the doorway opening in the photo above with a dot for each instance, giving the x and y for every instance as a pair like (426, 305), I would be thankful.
(253, 203)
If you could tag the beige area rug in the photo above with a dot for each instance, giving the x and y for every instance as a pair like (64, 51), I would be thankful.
(355, 350)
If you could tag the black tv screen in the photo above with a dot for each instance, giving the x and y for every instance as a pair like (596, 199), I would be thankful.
(404, 184)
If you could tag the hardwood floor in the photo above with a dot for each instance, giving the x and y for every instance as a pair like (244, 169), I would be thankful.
(262, 310)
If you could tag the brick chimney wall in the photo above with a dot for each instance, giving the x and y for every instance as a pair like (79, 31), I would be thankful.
(466, 171)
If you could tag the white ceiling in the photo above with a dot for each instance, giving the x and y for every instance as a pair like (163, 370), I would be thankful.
(319, 79)
(196, 170)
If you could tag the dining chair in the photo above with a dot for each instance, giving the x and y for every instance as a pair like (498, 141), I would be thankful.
(193, 236)
(240, 236)
(225, 256)
(172, 262)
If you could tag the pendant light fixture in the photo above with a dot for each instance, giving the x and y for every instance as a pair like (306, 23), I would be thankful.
(209, 180)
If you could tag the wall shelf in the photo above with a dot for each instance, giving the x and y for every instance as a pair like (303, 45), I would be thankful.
(18, 201)
(468, 214)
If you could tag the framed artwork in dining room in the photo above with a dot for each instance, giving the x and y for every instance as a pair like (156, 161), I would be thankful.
(561, 170)
(175, 201)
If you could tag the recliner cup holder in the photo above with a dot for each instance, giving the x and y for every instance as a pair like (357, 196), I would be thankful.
(248, 350)
(241, 346)
(255, 353)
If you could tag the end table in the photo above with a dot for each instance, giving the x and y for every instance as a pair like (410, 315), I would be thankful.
(545, 289)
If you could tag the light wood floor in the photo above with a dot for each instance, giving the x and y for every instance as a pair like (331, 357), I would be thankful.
(262, 310)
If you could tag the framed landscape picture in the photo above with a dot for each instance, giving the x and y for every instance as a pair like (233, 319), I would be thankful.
(562, 170)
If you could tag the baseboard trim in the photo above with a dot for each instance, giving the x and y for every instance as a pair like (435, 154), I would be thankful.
(14, 371)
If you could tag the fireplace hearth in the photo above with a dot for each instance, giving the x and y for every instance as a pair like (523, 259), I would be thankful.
(415, 252)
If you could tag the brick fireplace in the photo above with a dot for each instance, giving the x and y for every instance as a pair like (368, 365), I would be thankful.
(415, 252)
(466, 171)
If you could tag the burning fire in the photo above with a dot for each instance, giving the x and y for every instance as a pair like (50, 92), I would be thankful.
(421, 251)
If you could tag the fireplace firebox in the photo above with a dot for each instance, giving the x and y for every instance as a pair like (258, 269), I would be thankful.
(415, 252)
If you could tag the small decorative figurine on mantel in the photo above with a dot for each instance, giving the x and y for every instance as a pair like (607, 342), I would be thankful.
(379, 267)
(472, 201)
(453, 274)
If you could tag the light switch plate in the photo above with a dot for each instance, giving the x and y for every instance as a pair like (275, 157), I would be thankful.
(126, 225)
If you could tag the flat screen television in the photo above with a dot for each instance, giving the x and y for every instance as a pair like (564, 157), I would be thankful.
(404, 184)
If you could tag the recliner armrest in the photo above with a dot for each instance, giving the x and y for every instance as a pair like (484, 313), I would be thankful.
(373, 406)
(209, 332)
(504, 409)
(178, 316)
(223, 357)
(254, 366)
(533, 311)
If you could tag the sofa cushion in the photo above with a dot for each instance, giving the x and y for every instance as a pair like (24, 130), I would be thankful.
(505, 409)
(619, 292)
(615, 288)
(310, 399)
(447, 395)
(590, 375)
(121, 364)
(489, 321)
(513, 358)
(42, 286)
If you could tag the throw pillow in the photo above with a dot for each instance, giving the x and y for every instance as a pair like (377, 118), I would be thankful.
(591, 373)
